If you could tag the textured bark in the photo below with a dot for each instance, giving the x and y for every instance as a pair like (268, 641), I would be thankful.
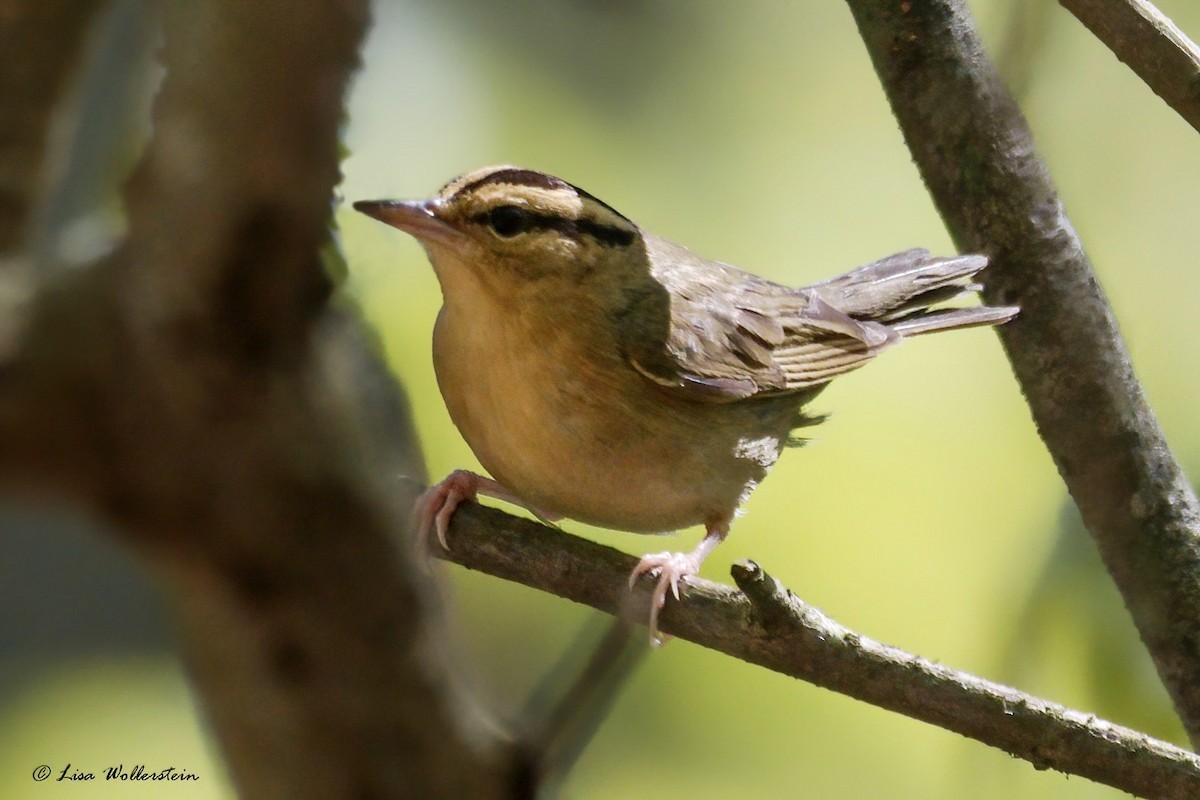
(765, 624)
(977, 157)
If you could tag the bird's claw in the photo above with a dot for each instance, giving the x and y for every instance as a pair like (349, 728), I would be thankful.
(671, 568)
(437, 505)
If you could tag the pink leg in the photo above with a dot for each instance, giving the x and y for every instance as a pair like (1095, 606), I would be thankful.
(436, 504)
(671, 568)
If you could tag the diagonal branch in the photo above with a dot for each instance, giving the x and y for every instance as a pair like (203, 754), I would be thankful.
(40, 44)
(765, 624)
(1153, 47)
(977, 157)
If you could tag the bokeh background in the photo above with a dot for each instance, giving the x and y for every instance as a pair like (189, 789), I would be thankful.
(925, 513)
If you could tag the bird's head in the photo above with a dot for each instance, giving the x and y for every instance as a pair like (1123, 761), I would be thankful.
(511, 230)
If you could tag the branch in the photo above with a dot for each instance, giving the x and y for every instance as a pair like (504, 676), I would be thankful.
(41, 42)
(977, 157)
(568, 707)
(1142, 37)
(766, 625)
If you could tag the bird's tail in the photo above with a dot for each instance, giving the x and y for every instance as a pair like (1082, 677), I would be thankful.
(902, 290)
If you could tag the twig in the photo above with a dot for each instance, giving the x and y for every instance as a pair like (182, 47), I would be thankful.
(976, 154)
(764, 624)
(99, 122)
(40, 45)
(559, 721)
(1153, 47)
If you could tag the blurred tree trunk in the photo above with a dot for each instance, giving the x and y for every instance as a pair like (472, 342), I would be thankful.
(196, 391)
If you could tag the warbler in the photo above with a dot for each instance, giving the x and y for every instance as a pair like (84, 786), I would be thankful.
(607, 375)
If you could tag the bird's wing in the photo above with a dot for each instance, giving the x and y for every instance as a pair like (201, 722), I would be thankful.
(731, 335)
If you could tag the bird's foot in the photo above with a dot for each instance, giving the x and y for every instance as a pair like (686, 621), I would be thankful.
(436, 505)
(670, 569)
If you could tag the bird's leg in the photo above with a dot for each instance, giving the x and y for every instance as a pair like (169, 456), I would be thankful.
(436, 504)
(671, 568)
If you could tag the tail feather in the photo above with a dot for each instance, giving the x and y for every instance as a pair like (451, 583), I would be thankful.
(901, 290)
(947, 319)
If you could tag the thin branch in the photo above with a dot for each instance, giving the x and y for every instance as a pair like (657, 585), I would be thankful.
(41, 42)
(40, 45)
(1153, 47)
(567, 709)
(764, 624)
(100, 125)
(977, 157)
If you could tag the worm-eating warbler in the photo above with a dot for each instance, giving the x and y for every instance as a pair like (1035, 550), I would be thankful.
(605, 374)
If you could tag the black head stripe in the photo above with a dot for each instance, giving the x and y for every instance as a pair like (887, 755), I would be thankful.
(539, 180)
(589, 196)
(516, 177)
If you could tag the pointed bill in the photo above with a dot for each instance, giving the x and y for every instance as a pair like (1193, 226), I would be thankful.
(416, 217)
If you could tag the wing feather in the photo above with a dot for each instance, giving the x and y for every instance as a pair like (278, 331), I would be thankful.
(710, 332)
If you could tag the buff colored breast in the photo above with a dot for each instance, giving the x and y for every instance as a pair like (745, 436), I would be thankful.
(557, 424)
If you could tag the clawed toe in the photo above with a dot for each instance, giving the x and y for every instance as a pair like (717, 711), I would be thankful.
(437, 504)
(434, 508)
(670, 568)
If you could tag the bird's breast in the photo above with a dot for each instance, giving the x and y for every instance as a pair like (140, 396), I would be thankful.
(556, 414)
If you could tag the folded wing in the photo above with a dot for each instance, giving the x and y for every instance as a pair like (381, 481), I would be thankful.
(732, 335)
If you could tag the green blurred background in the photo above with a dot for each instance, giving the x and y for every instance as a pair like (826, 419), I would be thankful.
(925, 514)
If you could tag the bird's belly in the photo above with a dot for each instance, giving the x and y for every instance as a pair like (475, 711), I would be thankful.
(599, 446)
(554, 470)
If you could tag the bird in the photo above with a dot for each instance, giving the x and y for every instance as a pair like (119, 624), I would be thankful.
(607, 375)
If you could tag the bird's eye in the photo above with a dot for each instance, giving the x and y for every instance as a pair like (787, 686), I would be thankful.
(509, 221)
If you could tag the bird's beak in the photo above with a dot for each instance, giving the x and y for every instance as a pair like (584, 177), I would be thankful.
(417, 217)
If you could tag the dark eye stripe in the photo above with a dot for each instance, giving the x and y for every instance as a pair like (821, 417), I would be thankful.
(605, 234)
